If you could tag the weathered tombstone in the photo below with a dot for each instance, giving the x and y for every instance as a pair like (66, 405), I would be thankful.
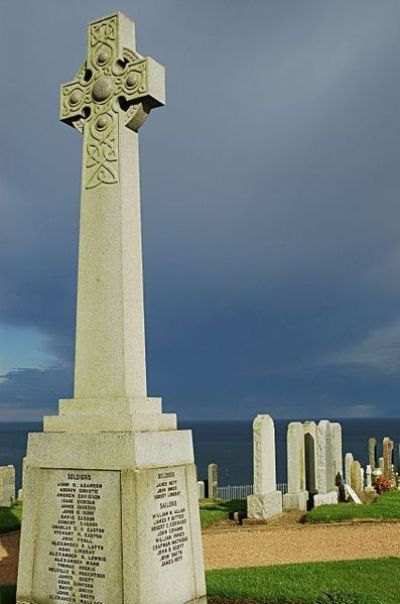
(362, 478)
(7, 486)
(387, 458)
(372, 453)
(266, 501)
(327, 492)
(212, 481)
(336, 432)
(297, 496)
(201, 489)
(369, 486)
(110, 495)
(310, 452)
(355, 471)
(348, 460)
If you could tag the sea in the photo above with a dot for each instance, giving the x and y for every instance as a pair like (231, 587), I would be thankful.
(226, 443)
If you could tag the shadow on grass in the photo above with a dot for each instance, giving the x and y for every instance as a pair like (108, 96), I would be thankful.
(212, 510)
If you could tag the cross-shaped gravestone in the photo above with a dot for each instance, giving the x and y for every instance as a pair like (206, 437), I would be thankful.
(108, 101)
(115, 85)
(110, 473)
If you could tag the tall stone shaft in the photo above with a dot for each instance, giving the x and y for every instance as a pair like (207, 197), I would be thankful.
(110, 341)
(108, 101)
(111, 475)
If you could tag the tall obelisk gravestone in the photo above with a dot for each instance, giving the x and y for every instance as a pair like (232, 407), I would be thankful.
(110, 495)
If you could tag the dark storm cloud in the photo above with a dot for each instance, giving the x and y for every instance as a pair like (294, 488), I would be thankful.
(270, 201)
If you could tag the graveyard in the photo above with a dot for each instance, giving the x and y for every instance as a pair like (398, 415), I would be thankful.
(112, 507)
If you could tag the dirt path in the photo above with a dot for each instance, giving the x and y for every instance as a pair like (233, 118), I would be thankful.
(268, 545)
(9, 548)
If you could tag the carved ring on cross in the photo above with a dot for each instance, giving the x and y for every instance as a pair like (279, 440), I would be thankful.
(121, 87)
(115, 83)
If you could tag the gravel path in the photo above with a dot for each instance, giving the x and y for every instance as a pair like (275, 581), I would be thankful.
(9, 548)
(268, 545)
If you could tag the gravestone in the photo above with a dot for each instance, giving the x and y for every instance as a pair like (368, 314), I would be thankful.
(348, 460)
(297, 496)
(212, 481)
(266, 501)
(368, 474)
(310, 453)
(110, 496)
(387, 458)
(372, 452)
(327, 492)
(355, 471)
(7, 486)
(336, 432)
(201, 489)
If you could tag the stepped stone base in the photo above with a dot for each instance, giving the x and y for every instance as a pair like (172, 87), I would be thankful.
(295, 501)
(111, 517)
(325, 498)
(264, 506)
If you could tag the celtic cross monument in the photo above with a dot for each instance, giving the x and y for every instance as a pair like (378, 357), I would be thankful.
(110, 500)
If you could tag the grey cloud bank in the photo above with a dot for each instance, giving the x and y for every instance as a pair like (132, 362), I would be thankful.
(270, 200)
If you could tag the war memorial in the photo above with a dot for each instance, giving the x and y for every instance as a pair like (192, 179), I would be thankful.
(110, 496)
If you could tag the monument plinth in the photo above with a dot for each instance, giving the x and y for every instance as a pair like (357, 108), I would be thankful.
(110, 493)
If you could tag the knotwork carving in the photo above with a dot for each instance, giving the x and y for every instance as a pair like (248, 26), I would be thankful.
(112, 85)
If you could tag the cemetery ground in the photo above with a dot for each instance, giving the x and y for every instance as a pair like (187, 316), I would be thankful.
(284, 561)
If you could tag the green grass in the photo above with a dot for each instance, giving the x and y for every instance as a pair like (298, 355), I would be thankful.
(349, 582)
(7, 595)
(368, 581)
(10, 518)
(212, 510)
(386, 507)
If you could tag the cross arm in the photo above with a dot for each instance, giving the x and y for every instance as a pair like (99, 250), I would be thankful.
(143, 82)
(73, 103)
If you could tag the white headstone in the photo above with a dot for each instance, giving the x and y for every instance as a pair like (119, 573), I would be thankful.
(336, 432)
(212, 481)
(348, 460)
(7, 486)
(201, 489)
(297, 496)
(111, 474)
(369, 486)
(266, 501)
(327, 492)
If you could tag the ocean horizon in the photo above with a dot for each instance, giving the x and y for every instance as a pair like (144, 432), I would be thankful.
(229, 443)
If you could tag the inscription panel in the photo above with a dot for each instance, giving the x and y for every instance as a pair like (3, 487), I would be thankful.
(79, 538)
(170, 517)
(165, 538)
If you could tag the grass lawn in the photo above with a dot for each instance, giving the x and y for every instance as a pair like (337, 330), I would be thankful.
(386, 507)
(7, 595)
(215, 509)
(10, 519)
(349, 582)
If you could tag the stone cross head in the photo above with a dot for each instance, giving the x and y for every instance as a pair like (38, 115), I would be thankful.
(115, 85)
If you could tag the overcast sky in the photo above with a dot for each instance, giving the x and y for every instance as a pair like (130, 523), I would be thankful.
(270, 206)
